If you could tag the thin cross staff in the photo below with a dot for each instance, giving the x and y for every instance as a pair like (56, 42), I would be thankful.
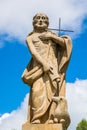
(60, 30)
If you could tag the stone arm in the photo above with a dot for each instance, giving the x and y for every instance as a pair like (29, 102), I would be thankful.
(36, 55)
(52, 36)
(33, 51)
(59, 40)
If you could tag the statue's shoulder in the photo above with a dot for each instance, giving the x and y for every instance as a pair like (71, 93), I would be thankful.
(67, 41)
(30, 36)
(31, 33)
(66, 37)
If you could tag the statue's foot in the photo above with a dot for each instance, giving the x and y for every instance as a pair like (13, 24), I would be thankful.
(62, 120)
(55, 120)
(36, 121)
(50, 122)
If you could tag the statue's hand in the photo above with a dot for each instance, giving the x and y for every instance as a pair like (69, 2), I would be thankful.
(46, 36)
(47, 67)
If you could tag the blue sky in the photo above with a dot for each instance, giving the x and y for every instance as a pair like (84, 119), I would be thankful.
(15, 24)
(14, 57)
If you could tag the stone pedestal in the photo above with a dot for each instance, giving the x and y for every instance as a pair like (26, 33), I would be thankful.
(42, 127)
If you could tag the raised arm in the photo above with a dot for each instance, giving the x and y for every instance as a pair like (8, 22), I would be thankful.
(58, 40)
(53, 37)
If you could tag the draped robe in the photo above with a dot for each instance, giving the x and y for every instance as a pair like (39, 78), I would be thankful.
(43, 87)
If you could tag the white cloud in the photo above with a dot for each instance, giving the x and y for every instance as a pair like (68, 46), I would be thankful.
(16, 15)
(77, 103)
(6, 115)
(77, 100)
(16, 118)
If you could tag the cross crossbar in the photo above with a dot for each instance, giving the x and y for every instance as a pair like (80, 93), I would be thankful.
(60, 30)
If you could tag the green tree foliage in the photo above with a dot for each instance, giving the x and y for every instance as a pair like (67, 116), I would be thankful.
(82, 125)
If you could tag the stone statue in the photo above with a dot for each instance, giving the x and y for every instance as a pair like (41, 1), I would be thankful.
(45, 73)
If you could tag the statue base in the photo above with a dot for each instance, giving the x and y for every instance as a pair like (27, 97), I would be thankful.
(42, 127)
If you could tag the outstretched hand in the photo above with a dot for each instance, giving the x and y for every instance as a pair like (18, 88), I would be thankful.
(46, 36)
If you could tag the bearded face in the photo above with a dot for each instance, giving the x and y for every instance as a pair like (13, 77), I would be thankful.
(40, 21)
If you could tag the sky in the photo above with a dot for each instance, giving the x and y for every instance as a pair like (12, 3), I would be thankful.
(15, 24)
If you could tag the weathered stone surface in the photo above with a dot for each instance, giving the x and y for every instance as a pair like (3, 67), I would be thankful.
(45, 74)
(42, 127)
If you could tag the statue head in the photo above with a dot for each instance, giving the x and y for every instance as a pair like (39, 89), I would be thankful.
(40, 21)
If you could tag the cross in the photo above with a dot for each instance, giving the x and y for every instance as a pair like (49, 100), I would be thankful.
(59, 30)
